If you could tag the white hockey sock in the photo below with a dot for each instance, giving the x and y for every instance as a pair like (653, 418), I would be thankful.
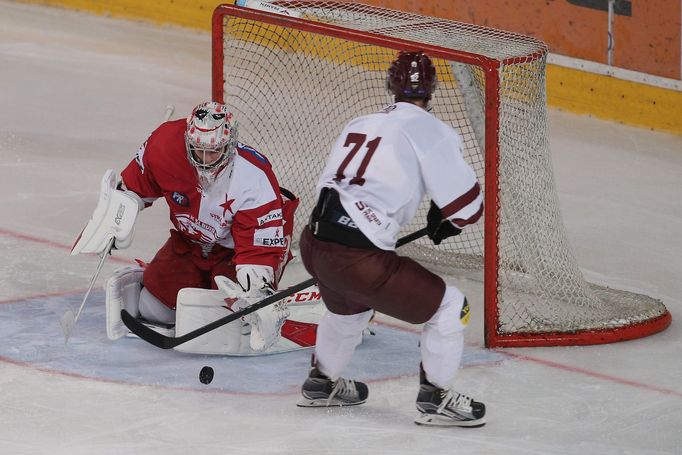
(337, 337)
(442, 339)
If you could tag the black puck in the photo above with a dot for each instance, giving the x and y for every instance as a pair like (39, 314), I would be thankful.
(206, 375)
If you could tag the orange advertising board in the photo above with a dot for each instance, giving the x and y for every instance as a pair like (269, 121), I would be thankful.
(646, 33)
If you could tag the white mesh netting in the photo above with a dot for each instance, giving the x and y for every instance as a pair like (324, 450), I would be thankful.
(294, 90)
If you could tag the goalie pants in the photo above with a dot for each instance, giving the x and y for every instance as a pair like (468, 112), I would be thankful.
(180, 264)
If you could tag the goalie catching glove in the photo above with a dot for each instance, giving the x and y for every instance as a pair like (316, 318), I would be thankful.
(115, 216)
(254, 283)
(437, 227)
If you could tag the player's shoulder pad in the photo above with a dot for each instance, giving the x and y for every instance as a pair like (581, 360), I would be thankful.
(252, 155)
(252, 163)
(168, 136)
(171, 127)
(169, 133)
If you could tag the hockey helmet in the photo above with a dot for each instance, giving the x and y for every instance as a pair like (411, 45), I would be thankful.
(412, 76)
(210, 139)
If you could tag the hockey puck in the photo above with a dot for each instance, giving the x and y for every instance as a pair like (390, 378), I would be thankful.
(206, 375)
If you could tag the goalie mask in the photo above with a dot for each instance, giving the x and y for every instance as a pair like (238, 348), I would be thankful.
(210, 138)
(411, 76)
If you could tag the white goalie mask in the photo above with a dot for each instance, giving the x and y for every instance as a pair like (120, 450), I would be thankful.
(210, 138)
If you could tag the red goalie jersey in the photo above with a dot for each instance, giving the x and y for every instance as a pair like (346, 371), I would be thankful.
(242, 210)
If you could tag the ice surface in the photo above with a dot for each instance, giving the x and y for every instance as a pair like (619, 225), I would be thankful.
(78, 94)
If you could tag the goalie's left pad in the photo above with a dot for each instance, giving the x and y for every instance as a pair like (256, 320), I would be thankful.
(114, 216)
(197, 307)
(122, 292)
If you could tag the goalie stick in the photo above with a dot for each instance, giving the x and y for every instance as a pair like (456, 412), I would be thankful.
(165, 342)
(69, 319)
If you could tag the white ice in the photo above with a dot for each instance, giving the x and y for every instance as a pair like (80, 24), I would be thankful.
(79, 93)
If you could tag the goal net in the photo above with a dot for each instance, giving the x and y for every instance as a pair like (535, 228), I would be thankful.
(294, 82)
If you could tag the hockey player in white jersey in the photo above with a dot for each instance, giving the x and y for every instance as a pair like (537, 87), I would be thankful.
(378, 172)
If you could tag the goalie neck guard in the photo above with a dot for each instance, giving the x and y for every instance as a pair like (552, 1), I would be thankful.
(210, 139)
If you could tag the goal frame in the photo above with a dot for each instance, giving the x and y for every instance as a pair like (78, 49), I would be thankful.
(490, 68)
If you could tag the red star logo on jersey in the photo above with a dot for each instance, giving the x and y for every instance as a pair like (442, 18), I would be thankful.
(227, 205)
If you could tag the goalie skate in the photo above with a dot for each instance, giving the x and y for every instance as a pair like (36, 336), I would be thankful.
(320, 391)
(440, 407)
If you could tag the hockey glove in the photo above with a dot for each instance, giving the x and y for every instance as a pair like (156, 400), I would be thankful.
(115, 216)
(251, 287)
(438, 228)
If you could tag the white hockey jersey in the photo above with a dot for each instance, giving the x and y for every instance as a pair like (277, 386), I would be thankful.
(383, 164)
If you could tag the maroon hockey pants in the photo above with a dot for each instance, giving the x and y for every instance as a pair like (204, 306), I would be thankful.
(354, 280)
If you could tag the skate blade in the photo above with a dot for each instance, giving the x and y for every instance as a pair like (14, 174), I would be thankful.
(323, 403)
(442, 421)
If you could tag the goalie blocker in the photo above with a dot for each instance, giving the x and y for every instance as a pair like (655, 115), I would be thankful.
(197, 307)
(114, 217)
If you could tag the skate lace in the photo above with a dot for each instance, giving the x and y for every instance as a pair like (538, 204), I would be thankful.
(343, 388)
(454, 400)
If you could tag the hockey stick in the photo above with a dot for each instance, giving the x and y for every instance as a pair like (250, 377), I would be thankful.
(165, 342)
(68, 319)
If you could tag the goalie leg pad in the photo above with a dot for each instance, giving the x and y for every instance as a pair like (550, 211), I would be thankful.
(122, 292)
(442, 339)
(197, 307)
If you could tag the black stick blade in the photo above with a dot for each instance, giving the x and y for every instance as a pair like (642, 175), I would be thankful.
(147, 334)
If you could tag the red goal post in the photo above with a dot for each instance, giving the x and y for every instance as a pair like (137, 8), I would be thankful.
(293, 83)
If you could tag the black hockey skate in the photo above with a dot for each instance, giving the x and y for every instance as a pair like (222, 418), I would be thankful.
(440, 407)
(320, 391)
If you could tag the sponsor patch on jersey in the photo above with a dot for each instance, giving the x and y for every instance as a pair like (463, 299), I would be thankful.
(345, 220)
(272, 215)
(180, 199)
(465, 314)
(368, 213)
(220, 220)
(272, 237)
